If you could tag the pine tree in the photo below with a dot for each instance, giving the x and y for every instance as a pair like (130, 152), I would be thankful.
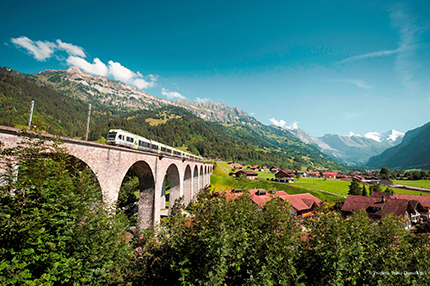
(364, 193)
(354, 188)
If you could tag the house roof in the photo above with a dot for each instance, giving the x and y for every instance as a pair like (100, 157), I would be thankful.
(283, 174)
(300, 201)
(248, 172)
(384, 203)
(355, 203)
(259, 200)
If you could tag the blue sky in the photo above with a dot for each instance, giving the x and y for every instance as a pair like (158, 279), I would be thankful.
(322, 66)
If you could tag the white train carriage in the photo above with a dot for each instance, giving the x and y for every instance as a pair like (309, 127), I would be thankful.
(127, 139)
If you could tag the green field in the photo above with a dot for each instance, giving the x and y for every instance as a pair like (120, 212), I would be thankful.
(342, 187)
(227, 183)
(329, 185)
(417, 183)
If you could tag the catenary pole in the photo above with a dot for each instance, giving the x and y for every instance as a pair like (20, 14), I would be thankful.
(31, 114)
(88, 121)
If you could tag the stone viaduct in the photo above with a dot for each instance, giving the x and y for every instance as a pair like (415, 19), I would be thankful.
(111, 163)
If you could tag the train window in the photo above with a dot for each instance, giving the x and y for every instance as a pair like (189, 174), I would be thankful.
(111, 135)
(120, 137)
(163, 149)
(130, 139)
(143, 144)
(154, 147)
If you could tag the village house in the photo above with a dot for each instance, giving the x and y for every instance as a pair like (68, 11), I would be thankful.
(284, 176)
(314, 174)
(412, 208)
(330, 175)
(250, 175)
(302, 205)
(274, 169)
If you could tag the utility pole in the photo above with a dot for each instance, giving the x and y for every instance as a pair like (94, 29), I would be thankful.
(88, 121)
(31, 114)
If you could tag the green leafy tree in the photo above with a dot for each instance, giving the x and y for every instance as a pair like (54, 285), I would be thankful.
(55, 228)
(227, 242)
(385, 172)
(354, 188)
(375, 188)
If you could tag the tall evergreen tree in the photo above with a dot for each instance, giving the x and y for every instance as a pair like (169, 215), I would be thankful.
(354, 188)
(364, 192)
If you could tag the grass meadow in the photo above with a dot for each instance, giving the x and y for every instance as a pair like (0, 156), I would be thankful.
(417, 183)
(223, 183)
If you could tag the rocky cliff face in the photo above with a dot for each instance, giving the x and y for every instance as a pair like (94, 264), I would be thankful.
(93, 89)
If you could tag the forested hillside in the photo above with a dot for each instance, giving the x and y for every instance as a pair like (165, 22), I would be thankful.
(60, 114)
(413, 152)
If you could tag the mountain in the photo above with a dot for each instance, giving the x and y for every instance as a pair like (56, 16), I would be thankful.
(412, 152)
(352, 150)
(209, 129)
(100, 90)
(392, 137)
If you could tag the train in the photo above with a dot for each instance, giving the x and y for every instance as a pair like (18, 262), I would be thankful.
(124, 138)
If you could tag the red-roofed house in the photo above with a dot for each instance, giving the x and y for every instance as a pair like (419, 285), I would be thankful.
(330, 175)
(412, 207)
(300, 203)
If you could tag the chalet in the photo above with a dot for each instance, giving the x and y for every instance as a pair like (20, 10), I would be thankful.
(274, 169)
(301, 204)
(314, 174)
(255, 167)
(284, 176)
(330, 175)
(238, 167)
(412, 208)
(250, 175)
(302, 173)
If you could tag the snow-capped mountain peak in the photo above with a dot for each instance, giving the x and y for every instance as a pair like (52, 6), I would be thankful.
(389, 136)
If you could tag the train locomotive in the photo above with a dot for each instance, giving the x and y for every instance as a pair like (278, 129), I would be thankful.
(124, 138)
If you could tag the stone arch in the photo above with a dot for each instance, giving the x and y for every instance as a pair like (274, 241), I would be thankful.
(188, 191)
(172, 173)
(78, 164)
(201, 176)
(195, 180)
(145, 211)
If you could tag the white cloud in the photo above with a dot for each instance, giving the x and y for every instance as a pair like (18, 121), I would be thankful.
(369, 55)
(143, 84)
(71, 49)
(353, 134)
(405, 63)
(40, 50)
(119, 72)
(405, 60)
(280, 123)
(98, 67)
(292, 126)
(358, 82)
(283, 124)
(43, 50)
(202, 100)
(171, 94)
